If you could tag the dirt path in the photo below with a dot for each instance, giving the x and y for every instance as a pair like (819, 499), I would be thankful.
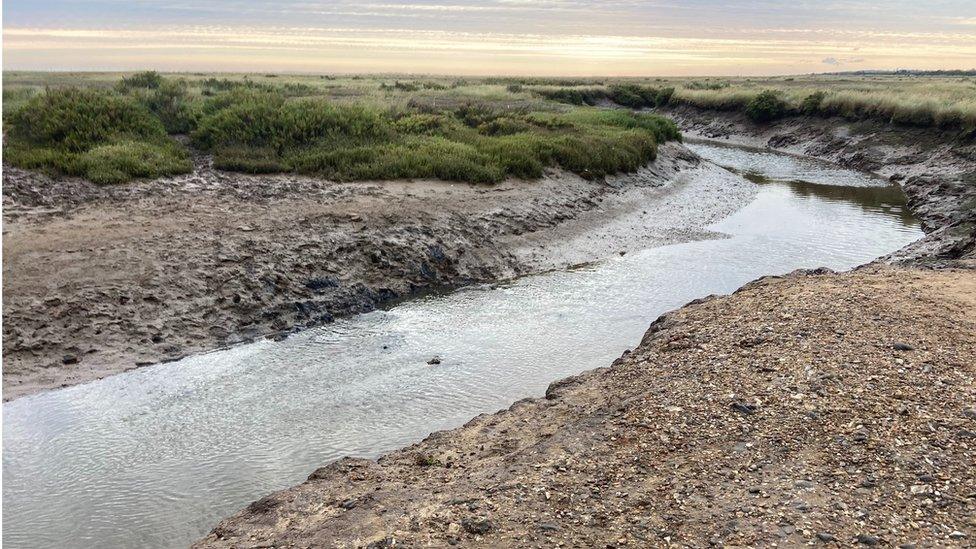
(99, 280)
(825, 409)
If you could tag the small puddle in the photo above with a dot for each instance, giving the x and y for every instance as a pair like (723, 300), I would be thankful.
(155, 457)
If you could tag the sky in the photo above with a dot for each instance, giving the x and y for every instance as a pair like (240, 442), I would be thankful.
(513, 37)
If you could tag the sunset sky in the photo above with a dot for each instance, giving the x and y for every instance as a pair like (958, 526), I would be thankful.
(544, 37)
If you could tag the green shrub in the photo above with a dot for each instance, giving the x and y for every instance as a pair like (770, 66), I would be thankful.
(265, 120)
(420, 123)
(111, 137)
(639, 97)
(664, 96)
(811, 103)
(149, 80)
(104, 137)
(573, 96)
(706, 85)
(766, 106)
(171, 103)
(119, 162)
(504, 125)
(76, 120)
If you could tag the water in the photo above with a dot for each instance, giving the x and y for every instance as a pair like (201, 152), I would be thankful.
(156, 456)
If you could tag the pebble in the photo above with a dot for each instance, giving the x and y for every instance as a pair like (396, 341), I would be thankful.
(743, 408)
(477, 526)
(867, 539)
(825, 537)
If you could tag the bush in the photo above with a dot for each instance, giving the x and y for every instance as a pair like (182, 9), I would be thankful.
(148, 80)
(706, 85)
(171, 103)
(573, 96)
(766, 106)
(98, 135)
(111, 137)
(267, 121)
(125, 160)
(640, 97)
(76, 120)
(664, 96)
(811, 103)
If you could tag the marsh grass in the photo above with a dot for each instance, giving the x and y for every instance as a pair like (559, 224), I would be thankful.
(112, 127)
(943, 102)
(471, 142)
(923, 101)
(104, 137)
(364, 129)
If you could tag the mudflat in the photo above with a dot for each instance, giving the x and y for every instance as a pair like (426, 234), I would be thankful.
(102, 279)
(812, 408)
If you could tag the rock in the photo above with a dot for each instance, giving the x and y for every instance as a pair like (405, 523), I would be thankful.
(970, 412)
(956, 534)
(548, 527)
(825, 537)
(902, 347)
(348, 504)
(744, 408)
(434, 360)
(478, 526)
(867, 539)
(69, 359)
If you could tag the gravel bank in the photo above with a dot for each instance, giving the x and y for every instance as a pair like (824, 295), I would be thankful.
(815, 408)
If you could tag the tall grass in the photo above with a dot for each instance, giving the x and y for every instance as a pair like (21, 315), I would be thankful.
(941, 104)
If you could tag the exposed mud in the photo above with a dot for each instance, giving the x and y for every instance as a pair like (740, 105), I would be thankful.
(936, 168)
(98, 280)
(817, 408)
(808, 409)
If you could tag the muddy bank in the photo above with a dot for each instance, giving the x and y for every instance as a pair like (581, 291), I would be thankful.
(98, 280)
(814, 408)
(936, 168)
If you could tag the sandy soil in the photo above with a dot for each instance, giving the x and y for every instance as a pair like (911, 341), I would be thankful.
(99, 280)
(825, 409)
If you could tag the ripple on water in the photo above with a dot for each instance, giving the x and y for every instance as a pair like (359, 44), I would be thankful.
(156, 456)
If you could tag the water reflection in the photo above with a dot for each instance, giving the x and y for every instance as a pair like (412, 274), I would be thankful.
(809, 177)
(156, 456)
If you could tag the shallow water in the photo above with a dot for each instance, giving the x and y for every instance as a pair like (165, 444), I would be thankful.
(156, 456)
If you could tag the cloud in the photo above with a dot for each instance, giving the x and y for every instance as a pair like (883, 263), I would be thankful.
(842, 61)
